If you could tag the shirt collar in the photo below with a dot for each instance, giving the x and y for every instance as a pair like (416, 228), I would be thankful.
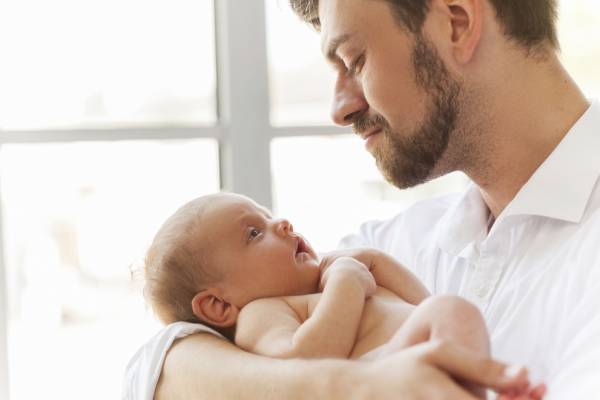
(560, 188)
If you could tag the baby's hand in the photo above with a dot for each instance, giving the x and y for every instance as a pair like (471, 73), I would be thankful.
(364, 255)
(349, 268)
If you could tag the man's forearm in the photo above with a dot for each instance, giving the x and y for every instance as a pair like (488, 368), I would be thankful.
(333, 326)
(206, 367)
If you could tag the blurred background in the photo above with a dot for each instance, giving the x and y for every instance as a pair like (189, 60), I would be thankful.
(115, 112)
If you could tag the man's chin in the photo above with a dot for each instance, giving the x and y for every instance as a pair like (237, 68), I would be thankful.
(403, 178)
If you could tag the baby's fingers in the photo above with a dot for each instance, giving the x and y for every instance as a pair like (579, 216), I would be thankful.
(536, 393)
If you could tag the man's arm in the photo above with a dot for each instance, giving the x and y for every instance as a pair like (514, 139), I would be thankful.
(387, 272)
(202, 366)
(270, 327)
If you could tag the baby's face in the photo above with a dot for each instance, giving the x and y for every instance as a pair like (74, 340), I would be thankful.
(260, 256)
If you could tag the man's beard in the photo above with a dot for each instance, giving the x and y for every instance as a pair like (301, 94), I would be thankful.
(408, 159)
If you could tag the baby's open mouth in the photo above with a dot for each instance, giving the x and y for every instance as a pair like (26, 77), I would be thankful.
(301, 246)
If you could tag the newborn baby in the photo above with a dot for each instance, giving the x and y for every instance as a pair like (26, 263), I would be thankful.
(224, 261)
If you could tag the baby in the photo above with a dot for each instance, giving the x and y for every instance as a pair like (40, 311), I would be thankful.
(224, 261)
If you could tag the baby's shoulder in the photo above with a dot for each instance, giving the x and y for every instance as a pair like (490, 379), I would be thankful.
(300, 307)
(268, 305)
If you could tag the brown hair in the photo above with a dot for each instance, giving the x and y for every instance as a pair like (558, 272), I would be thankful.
(176, 266)
(530, 23)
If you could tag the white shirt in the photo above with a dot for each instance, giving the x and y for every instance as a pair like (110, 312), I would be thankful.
(144, 368)
(535, 276)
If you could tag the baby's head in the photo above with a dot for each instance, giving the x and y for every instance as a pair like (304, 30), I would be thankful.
(219, 252)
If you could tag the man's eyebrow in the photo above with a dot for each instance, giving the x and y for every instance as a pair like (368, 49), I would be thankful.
(333, 45)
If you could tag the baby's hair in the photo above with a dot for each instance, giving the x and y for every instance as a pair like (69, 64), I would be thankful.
(176, 266)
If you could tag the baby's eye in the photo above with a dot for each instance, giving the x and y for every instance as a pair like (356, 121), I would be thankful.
(253, 233)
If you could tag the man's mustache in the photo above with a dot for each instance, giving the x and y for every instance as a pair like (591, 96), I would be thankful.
(364, 123)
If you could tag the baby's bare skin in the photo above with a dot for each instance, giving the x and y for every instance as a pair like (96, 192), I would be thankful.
(387, 323)
(383, 315)
(356, 316)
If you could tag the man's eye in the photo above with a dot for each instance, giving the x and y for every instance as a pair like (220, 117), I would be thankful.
(356, 65)
(253, 234)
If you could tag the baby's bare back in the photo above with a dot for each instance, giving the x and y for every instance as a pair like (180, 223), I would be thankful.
(383, 314)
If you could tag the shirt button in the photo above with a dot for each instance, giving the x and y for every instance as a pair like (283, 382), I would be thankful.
(481, 291)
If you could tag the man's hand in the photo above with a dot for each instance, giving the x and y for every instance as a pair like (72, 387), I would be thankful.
(349, 268)
(431, 371)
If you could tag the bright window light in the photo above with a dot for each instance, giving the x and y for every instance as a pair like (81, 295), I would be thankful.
(76, 217)
(579, 30)
(300, 81)
(327, 186)
(90, 63)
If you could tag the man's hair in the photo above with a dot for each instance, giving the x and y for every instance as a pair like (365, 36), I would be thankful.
(530, 23)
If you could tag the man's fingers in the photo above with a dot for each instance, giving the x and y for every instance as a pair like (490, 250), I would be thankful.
(455, 392)
(466, 366)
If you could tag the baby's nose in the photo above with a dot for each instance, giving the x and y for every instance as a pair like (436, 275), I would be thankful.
(286, 227)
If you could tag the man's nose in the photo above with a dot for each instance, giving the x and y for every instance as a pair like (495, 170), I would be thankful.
(348, 101)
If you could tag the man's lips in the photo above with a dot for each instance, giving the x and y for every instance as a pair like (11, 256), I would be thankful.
(370, 133)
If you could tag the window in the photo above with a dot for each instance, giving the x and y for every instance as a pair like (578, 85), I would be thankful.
(300, 81)
(579, 24)
(328, 185)
(76, 217)
(108, 115)
(90, 63)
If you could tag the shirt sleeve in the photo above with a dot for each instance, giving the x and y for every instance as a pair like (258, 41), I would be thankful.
(144, 368)
(362, 238)
(576, 371)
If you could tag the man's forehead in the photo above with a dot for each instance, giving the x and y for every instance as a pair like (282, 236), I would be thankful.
(336, 22)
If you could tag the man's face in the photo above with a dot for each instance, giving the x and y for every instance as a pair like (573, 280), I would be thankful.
(392, 87)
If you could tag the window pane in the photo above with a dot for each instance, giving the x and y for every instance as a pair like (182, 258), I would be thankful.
(300, 81)
(579, 25)
(73, 63)
(76, 217)
(338, 187)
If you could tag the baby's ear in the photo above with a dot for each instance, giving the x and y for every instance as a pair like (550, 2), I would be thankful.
(210, 307)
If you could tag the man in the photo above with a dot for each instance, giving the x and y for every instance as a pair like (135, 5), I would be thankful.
(435, 86)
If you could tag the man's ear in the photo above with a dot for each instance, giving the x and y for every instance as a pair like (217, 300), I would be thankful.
(210, 307)
(465, 19)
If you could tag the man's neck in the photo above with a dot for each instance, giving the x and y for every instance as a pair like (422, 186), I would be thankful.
(531, 113)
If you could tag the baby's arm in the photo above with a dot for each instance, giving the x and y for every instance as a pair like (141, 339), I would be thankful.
(387, 272)
(270, 326)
